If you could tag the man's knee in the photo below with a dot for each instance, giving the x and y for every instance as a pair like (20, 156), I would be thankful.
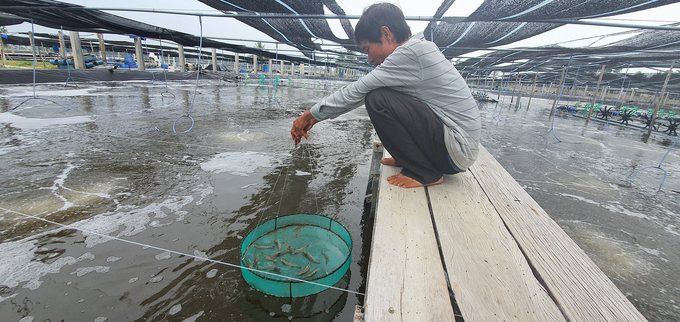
(375, 99)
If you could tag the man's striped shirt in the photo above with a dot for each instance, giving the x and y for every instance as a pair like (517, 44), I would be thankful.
(417, 68)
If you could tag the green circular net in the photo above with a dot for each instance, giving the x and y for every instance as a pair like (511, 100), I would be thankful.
(302, 246)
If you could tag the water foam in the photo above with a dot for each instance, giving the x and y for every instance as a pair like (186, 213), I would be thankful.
(18, 266)
(25, 123)
(238, 163)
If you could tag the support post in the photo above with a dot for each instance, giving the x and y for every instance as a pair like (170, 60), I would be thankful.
(214, 59)
(658, 103)
(493, 79)
(557, 94)
(182, 62)
(632, 94)
(585, 91)
(514, 89)
(271, 69)
(2, 53)
(139, 54)
(255, 64)
(236, 64)
(533, 87)
(102, 48)
(77, 50)
(32, 41)
(62, 46)
(597, 88)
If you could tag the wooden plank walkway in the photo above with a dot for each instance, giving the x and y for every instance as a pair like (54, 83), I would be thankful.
(482, 237)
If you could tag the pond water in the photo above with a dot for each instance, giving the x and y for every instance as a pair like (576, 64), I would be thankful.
(146, 206)
(112, 166)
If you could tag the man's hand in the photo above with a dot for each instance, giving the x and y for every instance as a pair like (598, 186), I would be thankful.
(301, 126)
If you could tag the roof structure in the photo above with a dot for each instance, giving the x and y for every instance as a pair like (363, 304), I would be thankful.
(493, 26)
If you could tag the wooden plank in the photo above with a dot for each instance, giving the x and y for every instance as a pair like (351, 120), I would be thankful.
(406, 279)
(581, 289)
(490, 277)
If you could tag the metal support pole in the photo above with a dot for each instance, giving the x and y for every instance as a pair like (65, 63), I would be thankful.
(658, 104)
(597, 88)
(236, 63)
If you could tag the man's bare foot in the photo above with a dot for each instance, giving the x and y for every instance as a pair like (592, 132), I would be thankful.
(390, 162)
(406, 182)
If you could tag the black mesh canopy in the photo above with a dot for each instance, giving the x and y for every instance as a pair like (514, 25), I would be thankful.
(58, 15)
(299, 33)
(514, 20)
(304, 25)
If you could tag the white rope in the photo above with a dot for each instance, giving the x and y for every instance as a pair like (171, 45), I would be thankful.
(178, 253)
(311, 169)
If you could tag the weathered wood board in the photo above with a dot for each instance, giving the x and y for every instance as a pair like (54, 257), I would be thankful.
(490, 277)
(406, 279)
(581, 289)
(506, 259)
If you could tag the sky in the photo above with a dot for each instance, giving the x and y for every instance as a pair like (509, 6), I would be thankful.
(231, 28)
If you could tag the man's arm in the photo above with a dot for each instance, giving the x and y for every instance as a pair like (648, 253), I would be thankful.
(401, 71)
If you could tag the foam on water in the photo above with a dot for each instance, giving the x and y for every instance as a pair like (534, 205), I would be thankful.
(18, 265)
(82, 271)
(62, 92)
(175, 309)
(618, 208)
(245, 136)
(580, 198)
(238, 163)
(193, 317)
(622, 260)
(211, 273)
(25, 123)
(156, 279)
(201, 254)
(134, 221)
(164, 255)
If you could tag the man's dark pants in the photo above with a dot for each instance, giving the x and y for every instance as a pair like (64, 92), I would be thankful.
(412, 134)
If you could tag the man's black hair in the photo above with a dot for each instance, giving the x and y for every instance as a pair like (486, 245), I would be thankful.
(377, 15)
